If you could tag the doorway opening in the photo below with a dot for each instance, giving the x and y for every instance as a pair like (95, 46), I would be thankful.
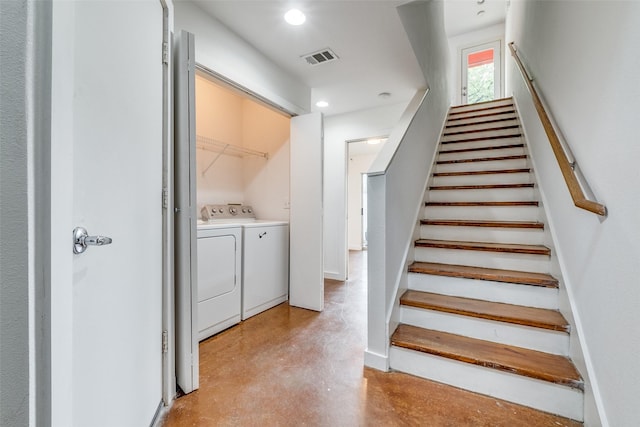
(481, 73)
(360, 155)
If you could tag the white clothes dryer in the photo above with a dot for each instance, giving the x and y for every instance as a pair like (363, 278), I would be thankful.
(219, 277)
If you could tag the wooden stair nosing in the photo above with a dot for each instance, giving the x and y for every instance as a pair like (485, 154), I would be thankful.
(483, 172)
(452, 111)
(481, 114)
(494, 147)
(462, 132)
(551, 320)
(504, 119)
(483, 223)
(482, 159)
(481, 187)
(512, 248)
(483, 273)
(482, 204)
(483, 138)
(516, 360)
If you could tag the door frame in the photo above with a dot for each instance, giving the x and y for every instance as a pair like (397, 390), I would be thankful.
(497, 44)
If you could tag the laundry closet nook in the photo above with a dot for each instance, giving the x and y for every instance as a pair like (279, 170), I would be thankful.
(242, 179)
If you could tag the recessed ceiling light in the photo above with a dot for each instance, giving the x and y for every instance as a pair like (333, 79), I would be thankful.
(384, 95)
(480, 1)
(295, 17)
(480, 12)
(322, 104)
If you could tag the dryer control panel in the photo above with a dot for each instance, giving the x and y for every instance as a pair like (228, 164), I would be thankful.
(226, 212)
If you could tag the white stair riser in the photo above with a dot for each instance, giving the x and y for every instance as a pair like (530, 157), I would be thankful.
(503, 261)
(478, 144)
(486, 290)
(483, 134)
(473, 127)
(502, 213)
(548, 397)
(474, 107)
(527, 236)
(484, 195)
(497, 178)
(482, 166)
(501, 332)
(481, 119)
(483, 153)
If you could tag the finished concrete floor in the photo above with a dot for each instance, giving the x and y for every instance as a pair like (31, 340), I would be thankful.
(294, 367)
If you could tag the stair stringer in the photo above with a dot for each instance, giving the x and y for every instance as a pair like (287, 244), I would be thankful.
(578, 351)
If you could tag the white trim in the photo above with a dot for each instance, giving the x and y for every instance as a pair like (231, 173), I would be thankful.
(334, 276)
(463, 51)
(376, 361)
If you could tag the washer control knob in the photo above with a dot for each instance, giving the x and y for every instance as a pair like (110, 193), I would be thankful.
(250, 210)
(233, 211)
(244, 210)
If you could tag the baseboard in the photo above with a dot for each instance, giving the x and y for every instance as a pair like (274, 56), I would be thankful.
(376, 361)
(334, 276)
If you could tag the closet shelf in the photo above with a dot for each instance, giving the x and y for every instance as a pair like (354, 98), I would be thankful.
(220, 147)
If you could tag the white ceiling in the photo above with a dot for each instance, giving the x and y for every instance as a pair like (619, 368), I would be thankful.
(367, 35)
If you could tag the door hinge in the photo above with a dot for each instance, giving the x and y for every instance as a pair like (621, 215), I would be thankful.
(165, 53)
(165, 198)
(165, 342)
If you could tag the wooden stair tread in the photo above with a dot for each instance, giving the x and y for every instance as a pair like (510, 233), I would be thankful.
(489, 172)
(484, 246)
(462, 132)
(483, 138)
(484, 121)
(481, 113)
(481, 186)
(482, 159)
(491, 203)
(453, 112)
(483, 223)
(495, 147)
(530, 363)
(508, 313)
(483, 273)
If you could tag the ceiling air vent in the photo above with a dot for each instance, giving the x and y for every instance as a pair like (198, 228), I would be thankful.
(320, 57)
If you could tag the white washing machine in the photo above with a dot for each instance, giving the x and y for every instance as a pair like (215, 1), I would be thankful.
(219, 277)
(265, 266)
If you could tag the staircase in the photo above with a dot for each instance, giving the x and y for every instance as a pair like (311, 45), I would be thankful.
(481, 312)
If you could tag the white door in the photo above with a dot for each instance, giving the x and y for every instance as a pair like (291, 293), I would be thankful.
(306, 286)
(108, 68)
(186, 286)
(481, 73)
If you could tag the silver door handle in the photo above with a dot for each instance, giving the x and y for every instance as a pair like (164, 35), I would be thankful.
(81, 240)
(261, 235)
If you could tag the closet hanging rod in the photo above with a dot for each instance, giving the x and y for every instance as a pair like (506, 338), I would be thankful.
(231, 149)
(210, 144)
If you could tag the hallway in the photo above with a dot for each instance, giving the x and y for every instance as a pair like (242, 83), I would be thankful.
(292, 367)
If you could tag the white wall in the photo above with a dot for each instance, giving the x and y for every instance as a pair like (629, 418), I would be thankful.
(266, 181)
(337, 130)
(232, 118)
(398, 177)
(463, 41)
(222, 51)
(358, 164)
(584, 58)
(14, 216)
(219, 115)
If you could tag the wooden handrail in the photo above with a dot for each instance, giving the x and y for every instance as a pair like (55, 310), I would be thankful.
(567, 168)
